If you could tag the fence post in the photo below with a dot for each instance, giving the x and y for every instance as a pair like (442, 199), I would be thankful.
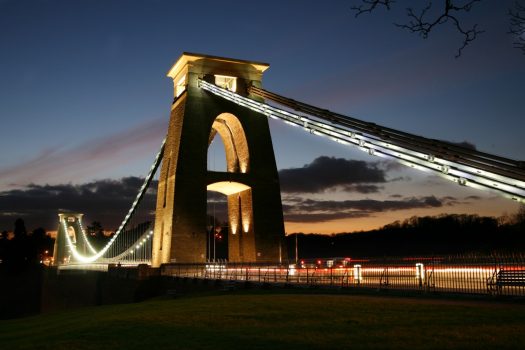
(420, 274)
(357, 274)
(307, 276)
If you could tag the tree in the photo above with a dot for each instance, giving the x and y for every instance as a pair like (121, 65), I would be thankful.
(96, 234)
(39, 243)
(4, 243)
(517, 25)
(95, 229)
(20, 231)
(519, 217)
(425, 19)
(19, 250)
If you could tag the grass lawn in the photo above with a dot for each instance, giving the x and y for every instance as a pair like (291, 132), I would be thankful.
(275, 321)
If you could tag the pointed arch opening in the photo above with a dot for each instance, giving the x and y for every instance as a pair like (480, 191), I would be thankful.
(233, 137)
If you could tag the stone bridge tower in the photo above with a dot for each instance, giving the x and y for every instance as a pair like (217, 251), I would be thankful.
(251, 184)
(69, 224)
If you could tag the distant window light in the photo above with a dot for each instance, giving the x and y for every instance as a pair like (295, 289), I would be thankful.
(180, 86)
(225, 82)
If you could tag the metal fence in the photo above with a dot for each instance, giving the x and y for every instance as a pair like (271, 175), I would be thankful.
(469, 274)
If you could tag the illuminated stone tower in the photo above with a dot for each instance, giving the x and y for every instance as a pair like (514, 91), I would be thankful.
(251, 183)
(69, 224)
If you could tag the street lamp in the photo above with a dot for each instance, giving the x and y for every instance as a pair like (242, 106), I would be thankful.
(209, 233)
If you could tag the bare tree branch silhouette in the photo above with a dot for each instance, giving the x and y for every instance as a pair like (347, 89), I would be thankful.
(517, 26)
(422, 22)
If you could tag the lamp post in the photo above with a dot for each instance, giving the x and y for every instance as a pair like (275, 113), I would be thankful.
(296, 249)
(216, 233)
(209, 232)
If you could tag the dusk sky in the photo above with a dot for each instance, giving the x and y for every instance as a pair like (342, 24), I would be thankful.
(85, 102)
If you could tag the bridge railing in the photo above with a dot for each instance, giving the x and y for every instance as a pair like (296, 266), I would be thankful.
(472, 274)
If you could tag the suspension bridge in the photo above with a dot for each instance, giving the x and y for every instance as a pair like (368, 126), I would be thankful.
(222, 96)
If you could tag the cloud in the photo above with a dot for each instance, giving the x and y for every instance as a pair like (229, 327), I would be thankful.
(391, 165)
(325, 173)
(310, 210)
(88, 158)
(106, 201)
(474, 198)
(216, 197)
(323, 217)
(464, 144)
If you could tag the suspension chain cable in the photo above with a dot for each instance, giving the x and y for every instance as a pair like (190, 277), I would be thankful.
(142, 191)
(482, 171)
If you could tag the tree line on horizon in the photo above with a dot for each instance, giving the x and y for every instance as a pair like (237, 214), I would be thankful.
(20, 248)
(24, 248)
(430, 235)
